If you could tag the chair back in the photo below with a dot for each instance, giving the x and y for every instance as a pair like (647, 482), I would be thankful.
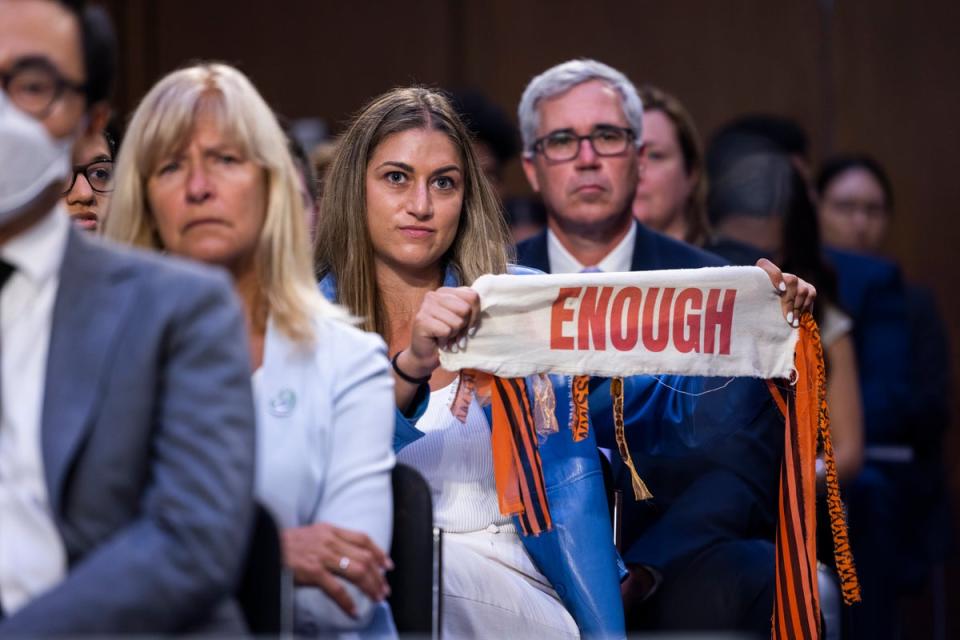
(415, 580)
(614, 500)
(263, 590)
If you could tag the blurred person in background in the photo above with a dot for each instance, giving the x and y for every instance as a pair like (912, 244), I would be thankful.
(871, 291)
(526, 216)
(672, 188)
(494, 136)
(764, 216)
(497, 143)
(87, 195)
(309, 184)
(205, 173)
(856, 203)
(321, 156)
(761, 200)
(905, 478)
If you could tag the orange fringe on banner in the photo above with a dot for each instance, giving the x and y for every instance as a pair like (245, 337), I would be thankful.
(517, 469)
(796, 612)
(796, 608)
(579, 407)
(842, 554)
(640, 490)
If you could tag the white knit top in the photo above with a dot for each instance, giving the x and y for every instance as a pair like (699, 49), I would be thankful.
(456, 459)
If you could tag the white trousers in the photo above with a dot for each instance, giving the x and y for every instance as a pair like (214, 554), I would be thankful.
(491, 589)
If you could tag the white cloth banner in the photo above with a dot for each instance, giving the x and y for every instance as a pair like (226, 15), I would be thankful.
(715, 321)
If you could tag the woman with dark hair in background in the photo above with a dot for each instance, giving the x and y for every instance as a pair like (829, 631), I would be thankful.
(672, 198)
(758, 198)
(672, 190)
(901, 497)
(856, 201)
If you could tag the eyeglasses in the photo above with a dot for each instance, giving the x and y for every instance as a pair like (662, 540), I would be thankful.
(560, 146)
(99, 175)
(34, 85)
(848, 207)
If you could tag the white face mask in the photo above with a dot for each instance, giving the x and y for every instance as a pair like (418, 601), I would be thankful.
(30, 159)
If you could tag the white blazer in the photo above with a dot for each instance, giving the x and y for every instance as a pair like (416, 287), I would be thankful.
(325, 421)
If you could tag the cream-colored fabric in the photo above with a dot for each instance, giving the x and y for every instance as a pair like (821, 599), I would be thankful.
(719, 321)
(835, 324)
(456, 460)
(491, 589)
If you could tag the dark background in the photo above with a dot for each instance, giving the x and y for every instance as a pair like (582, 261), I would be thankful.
(862, 75)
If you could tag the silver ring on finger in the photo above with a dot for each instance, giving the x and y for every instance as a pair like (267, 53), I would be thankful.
(344, 564)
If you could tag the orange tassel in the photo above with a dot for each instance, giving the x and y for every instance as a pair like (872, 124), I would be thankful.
(842, 554)
(640, 490)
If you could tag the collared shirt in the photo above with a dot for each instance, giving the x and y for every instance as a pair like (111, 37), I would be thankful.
(32, 555)
(619, 259)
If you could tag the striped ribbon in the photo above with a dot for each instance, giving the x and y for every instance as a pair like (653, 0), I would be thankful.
(796, 607)
(517, 468)
(521, 489)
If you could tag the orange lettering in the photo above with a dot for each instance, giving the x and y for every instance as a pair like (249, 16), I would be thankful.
(560, 314)
(593, 318)
(716, 316)
(662, 324)
(625, 340)
(685, 342)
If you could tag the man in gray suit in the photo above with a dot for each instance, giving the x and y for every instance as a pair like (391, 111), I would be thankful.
(126, 418)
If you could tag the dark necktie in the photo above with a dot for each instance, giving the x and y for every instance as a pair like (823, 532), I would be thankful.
(6, 269)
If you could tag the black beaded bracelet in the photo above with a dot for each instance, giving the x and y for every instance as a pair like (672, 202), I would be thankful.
(404, 376)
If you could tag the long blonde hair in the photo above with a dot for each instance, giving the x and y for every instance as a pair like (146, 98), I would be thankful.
(343, 247)
(163, 123)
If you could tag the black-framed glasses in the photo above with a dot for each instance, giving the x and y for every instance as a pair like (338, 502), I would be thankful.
(564, 145)
(99, 175)
(34, 85)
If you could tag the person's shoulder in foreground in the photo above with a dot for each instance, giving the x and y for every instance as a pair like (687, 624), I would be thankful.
(163, 425)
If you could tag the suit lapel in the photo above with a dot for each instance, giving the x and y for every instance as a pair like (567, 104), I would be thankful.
(646, 252)
(87, 317)
(533, 253)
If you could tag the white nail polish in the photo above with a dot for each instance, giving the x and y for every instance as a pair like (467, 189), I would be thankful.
(796, 323)
(452, 347)
(463, 343)
(783, 286)
(789, 317)
(473, 330)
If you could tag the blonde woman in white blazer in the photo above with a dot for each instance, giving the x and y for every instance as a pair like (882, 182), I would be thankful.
(205, 173)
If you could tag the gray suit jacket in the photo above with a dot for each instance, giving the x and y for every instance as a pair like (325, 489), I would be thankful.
(148, 446)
